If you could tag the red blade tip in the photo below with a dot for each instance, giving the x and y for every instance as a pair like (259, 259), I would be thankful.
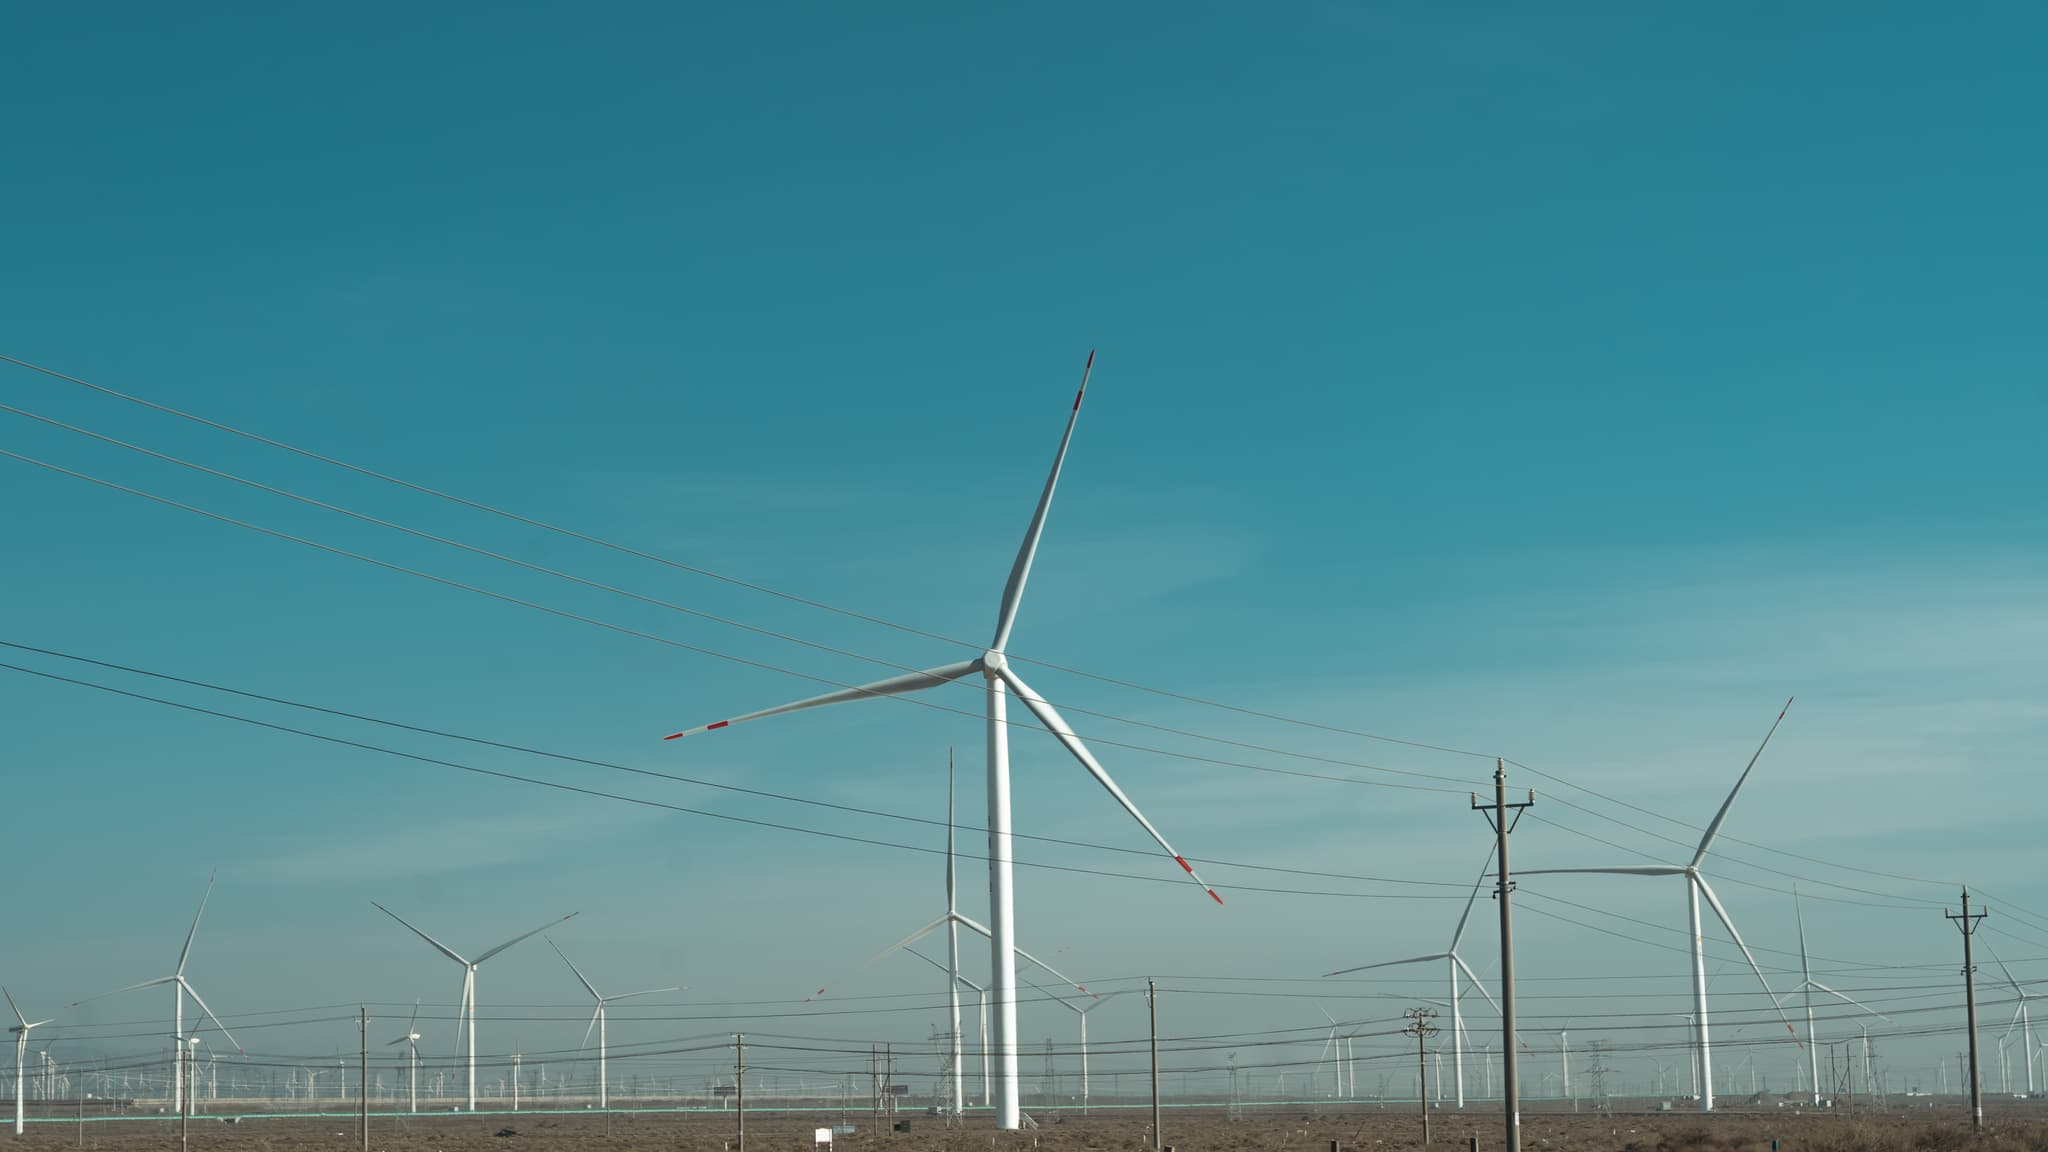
(1214, 896)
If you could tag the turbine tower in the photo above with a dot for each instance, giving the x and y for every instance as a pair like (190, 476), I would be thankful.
(1695, 887)
(993, 666)
(2019, 1017)
(21, 1031)
(597, 1018)
(468, 1010)
(1459, 973)
(182, 988)
(412, 1040)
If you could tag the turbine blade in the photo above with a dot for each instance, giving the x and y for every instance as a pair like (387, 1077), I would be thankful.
(129, 988)
(1053, 721)
(1459, 933)
(587, 985)
(194, 993)
(1476, 981)
(1820, 987)
(645, 992)
(442, 948)
(412, 1025)
(397, 1042)
(1631, 870)
(1063, 977)
(928, 960)
(1013, 591)
(590, 1027)
(1386, 964)
(1728, 923)
(2006, 971)
(904, 943)
(1714, 828)
(187, 950)
(16, 1008)
(522, 936)
(893, 686)
(1805, 972)
(975, 926)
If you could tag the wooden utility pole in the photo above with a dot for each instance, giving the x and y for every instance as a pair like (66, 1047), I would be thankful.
(1152, 1006)
(1510, 1078)
(184, 1094)
(1967, 922)
(739, 1084)
(1419, 1026)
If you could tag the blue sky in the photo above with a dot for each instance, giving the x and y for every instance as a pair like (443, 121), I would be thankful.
(1571, 385)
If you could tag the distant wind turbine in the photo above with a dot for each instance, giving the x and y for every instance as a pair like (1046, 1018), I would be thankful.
(469, 967)
(597, 1018)
(1808, 985)
(1459, 973)
(21, 1031)
(412, 1040)
(2019, 1016)
(980, 1034)
(1695, 887)
(1001, 678)
(182, 988)
(1081, 1011)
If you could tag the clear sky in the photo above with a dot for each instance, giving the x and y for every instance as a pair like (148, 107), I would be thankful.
(1572, 384)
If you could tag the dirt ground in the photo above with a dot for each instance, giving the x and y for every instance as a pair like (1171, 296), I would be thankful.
(2020, 1126)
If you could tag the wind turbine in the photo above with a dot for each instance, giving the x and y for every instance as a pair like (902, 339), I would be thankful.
(1001, 680)
(1695, 887)
(182, 988)
(412, 1039)
(2019, 1017)
(1457, 967)
(1095, 1000)
(981, 1031)
(21, 1031)
(468, 1010)
(597, 1018)
(1809, 986)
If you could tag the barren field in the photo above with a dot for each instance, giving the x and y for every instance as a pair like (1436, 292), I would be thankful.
(2021, 1125)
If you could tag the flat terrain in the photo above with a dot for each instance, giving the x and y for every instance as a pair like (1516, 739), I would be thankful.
(2020, 1125)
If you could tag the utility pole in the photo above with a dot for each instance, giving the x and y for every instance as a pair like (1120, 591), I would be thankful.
(1419, 1026)
(739, 1084)
(1152, 1007)
(1497, 816)
(363, 1089)
(184, 1094)
(1967, 923)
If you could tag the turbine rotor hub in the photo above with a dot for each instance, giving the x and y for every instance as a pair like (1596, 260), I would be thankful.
(993, 663)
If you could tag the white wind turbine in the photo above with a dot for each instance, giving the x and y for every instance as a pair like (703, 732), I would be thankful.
(1095, 1000)
(1809, 986)
(1695, 887)
(21, 1031)
(2019, 1017)
(980, 1035)
(468, 1010)
(1001, 680)
(412, 1040)
(182, 988)
(597, 1018)
(1459, 973)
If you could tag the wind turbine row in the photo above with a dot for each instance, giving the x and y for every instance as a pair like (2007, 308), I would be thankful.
(1001, 679)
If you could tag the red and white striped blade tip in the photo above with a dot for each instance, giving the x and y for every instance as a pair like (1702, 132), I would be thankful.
(1085, 369)
(1190, 870)
(696, 731)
